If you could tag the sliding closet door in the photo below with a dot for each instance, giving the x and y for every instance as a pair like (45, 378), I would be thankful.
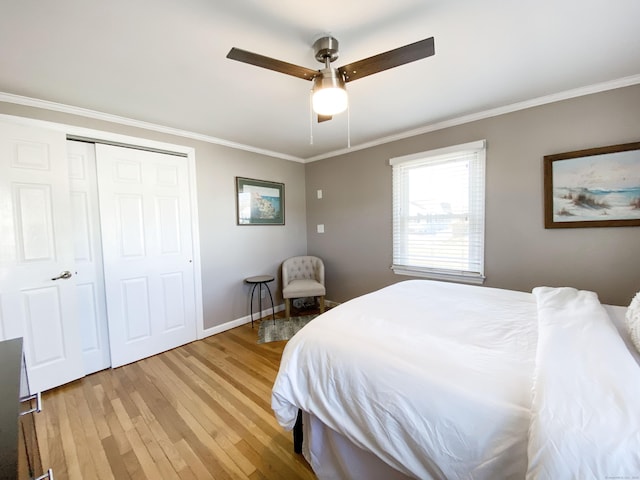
(37, 275)
(87, 246)
(147, 247)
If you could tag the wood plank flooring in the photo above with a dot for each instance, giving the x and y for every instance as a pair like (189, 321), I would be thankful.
(201, 411)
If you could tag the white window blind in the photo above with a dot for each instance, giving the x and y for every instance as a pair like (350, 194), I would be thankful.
(438, 213)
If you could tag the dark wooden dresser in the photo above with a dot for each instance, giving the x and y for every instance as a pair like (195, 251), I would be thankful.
(19, 453)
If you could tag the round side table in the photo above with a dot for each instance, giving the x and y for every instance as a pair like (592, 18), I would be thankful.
(259, 281)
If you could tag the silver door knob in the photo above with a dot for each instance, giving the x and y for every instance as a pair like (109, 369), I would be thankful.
(64, 275)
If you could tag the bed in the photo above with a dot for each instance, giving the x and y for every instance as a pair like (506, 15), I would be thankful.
(436, 380)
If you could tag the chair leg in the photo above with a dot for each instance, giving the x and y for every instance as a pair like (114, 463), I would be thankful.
(321, 304)
(287, 308)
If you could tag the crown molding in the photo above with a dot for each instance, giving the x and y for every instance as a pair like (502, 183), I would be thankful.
(556, 97)
(107, 117)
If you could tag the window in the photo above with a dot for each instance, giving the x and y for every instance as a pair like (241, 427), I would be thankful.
(438, 213)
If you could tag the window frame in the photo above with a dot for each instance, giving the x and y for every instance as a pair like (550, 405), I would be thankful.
(477, 206)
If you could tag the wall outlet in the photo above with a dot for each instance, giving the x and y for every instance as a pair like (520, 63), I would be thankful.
(319, 194)
(321, 228)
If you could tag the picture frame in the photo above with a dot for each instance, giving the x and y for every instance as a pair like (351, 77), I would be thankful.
(259, 202)
(597, 187)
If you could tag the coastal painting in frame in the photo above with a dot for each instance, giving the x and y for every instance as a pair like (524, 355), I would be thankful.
(599, 187)
(259, 202)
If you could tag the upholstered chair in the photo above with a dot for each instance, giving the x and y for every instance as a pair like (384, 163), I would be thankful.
(302, 277)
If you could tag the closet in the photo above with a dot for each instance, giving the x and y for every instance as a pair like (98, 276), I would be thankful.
(96, 252)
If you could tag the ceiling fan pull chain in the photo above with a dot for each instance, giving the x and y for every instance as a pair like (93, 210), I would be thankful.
(311, 117)
(348, 126)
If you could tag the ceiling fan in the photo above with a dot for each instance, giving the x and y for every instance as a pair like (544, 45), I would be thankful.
(329, 95)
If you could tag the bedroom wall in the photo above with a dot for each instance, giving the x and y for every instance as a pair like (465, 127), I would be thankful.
(520, 254)
(229, 253)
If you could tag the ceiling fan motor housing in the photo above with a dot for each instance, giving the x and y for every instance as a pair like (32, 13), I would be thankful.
(328, 78)
(326, 48)
(329, 92)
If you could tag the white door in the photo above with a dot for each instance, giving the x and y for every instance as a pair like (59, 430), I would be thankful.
(37, 297)
(87, 243)
(147, 247)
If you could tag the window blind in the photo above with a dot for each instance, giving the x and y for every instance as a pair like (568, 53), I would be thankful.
(438, 213)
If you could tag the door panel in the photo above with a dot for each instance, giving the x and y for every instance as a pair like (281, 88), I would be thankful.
(169, 226)
(45, 339)
(90, 324)
(135, 309)
(91, 302)
(130, 225)
(146, 232)
(173, 295)
(35, 248)
(34, 219)
(81, 232)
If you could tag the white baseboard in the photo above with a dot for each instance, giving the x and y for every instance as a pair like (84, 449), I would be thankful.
(238, 322)
(247, 319)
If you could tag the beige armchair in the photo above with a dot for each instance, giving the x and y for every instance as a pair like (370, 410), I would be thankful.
(302, 277)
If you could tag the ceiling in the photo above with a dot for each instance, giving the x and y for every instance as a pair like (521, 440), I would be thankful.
(164, 62)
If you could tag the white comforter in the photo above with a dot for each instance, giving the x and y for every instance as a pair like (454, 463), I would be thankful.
(435, 381)
(585, 421)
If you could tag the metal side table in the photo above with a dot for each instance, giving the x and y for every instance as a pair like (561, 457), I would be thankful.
(259, 281)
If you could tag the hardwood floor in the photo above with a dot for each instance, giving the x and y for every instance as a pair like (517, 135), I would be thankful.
(201, 411)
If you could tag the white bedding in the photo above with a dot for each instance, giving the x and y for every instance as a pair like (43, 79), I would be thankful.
(435, 388)
(585, 419)
(436, 380)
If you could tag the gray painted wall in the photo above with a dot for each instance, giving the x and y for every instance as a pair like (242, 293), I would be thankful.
(229, 253)
(520, 254)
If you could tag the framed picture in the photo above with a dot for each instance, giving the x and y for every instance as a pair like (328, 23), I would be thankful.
(259, 202)
(599, 187)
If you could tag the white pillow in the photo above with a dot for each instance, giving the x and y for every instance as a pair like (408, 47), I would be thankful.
(633, 320)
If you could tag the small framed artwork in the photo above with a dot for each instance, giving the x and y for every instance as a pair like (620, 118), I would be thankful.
(599, 187)
(259, 202)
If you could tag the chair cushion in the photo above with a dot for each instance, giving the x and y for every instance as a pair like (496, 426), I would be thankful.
(303, 288)
(299, 268)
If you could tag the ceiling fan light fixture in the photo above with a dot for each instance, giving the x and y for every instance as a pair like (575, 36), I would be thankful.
(329, 93)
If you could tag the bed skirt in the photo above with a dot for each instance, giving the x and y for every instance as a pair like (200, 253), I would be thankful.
(331, 455)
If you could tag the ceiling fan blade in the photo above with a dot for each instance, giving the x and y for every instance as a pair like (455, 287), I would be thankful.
(324, 118)
(384, 61)
(271, 64)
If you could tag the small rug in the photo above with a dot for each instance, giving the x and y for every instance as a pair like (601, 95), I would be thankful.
(282, 329)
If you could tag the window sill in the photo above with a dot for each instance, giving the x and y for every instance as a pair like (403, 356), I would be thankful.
(459, 277)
